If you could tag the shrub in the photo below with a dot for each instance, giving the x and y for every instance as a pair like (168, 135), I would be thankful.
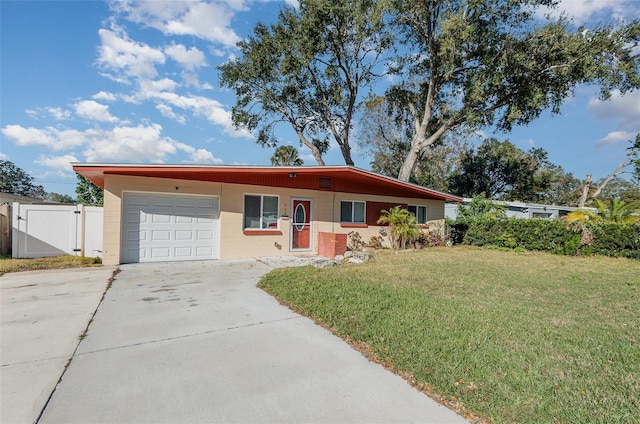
(376, 242)
(355, 242)
(603, 238)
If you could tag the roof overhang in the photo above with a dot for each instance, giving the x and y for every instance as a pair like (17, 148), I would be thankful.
(347, 179)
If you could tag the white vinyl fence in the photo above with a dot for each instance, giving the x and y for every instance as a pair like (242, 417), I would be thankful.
(53, 230)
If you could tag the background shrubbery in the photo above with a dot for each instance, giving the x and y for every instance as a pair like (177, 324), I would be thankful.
(556, 236)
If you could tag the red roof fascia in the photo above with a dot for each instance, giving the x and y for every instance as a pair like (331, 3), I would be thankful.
(343, 178)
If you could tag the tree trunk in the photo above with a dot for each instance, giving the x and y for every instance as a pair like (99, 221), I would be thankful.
(408, 164)
(607, 180)
(585, 192)
(316, 154)
(314, 150)
(601, 186)
(346, 153)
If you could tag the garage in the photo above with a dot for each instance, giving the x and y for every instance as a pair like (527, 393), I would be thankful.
(163, 227)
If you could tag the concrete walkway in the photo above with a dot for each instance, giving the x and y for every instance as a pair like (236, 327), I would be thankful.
(198, 342)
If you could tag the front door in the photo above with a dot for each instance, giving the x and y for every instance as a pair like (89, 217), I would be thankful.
(301, 225)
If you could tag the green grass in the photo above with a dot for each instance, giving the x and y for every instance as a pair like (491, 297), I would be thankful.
(66, 261)
(504, 336)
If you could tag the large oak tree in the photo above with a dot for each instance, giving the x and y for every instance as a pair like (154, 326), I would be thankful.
(481, 63)
(307, 70)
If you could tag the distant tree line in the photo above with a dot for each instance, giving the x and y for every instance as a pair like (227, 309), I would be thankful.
(500, 170)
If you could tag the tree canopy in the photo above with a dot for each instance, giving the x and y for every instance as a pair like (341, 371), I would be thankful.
(15, 180)
(498, 169)
(307, 69)
(88, 193)
(455, 65)
(498, 63)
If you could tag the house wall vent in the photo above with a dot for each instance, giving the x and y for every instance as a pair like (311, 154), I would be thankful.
(326, 183)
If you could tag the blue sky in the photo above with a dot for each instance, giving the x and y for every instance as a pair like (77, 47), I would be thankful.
(131, 81)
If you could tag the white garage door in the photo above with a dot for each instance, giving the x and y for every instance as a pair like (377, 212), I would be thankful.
(159, 227)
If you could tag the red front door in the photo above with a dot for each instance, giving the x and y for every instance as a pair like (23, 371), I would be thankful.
(301, 225)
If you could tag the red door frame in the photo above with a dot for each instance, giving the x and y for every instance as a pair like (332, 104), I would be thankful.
(301, 235)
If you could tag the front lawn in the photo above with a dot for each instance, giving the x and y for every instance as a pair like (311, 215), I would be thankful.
(509, 337)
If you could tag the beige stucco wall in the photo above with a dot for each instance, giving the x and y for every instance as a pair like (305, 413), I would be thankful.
(233, 243)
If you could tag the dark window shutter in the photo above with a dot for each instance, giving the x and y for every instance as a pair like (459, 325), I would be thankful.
(374, 208)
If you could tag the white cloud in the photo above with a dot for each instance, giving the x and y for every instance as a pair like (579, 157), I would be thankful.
(148, 87)
(50, 137)
(59, 114)
(189, 59)
(57, 163)
(121, 143)
(167, 112)
(200, 106)
(141, 143)
(94, 111)
(582, 10)
(124, 58)
(104, 95)
(615, 137)
(3, 156)
(625, 109)
(210, 21)
(204, 156)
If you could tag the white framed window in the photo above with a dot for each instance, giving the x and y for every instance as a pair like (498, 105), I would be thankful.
(352, 212)
(260, 212)
(420, 212)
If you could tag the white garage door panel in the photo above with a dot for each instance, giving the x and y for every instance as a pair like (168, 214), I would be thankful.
(166, 228)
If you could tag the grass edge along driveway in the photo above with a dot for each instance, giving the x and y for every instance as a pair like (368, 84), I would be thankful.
(507, 337)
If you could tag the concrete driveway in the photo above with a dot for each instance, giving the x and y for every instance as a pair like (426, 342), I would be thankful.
(42, 316)
(198, 342)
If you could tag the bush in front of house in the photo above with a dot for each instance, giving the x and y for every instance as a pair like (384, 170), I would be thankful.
(614, 239)
(555, 236)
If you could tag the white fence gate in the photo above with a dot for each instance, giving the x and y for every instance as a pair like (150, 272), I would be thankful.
(53, 230)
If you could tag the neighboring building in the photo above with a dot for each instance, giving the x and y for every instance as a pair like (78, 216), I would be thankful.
(192, 212)
(518, 210)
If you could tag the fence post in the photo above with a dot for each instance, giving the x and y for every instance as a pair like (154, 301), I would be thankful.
(15, 230)
(5, 229)
(82, 229)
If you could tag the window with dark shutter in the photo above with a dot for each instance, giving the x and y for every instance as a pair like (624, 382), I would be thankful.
(374, 210)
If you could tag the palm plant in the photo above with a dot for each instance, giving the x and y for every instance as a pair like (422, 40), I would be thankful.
(615, 210)
(403, 227)
(286, 156)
